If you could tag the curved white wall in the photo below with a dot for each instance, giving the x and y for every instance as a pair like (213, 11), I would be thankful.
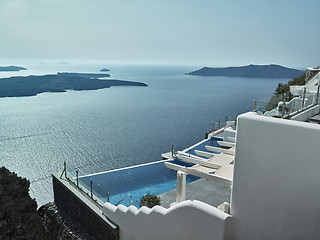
(186, 220)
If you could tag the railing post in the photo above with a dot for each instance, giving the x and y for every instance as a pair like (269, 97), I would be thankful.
(317, 98)
(128, 195)
(91, 188)
(304, 95)
(283, 104)
(77, 178)
(172, 150)
(64, 170)
(254, 105)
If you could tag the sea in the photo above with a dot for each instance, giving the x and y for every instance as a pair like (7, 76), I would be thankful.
(99, 130)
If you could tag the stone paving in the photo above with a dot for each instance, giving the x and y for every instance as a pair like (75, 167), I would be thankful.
(203, 190)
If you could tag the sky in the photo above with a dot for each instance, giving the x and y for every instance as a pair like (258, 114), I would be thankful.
(206, 32)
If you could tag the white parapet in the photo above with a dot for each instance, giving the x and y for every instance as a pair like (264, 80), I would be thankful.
(183, 221)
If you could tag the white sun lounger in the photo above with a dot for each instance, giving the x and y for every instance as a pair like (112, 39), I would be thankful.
(215, 161)
(221, 150)
(226, 144)
(221, 159)
(204, 154)
(202, 162)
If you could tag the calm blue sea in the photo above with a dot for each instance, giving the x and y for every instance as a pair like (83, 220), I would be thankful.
(105, 129)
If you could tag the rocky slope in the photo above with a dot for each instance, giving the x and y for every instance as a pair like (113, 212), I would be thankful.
(19, 218)
(18, 212)
(58, 226)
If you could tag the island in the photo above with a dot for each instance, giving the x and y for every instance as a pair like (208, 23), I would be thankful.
(250, 71)
(86, 75)
(11, 69)
(21, 86)
(104, 70)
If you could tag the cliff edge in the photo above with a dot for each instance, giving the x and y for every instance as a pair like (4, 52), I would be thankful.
(18, 212)
(19, 218)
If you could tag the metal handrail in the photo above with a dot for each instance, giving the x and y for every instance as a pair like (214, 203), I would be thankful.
(76, 184)
(221, 122)
(128, 195)
(173, 152)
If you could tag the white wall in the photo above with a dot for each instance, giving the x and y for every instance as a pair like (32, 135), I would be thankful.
(186, 220)
(276, 186)
(229, 133)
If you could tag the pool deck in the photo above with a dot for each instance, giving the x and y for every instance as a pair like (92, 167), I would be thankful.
(204, 190)
(207, 191)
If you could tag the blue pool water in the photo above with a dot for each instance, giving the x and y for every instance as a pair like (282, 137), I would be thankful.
(136, 181)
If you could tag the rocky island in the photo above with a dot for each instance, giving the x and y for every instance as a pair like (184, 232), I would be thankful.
(32, 85)
(11, 69)
(250, 71)
(104, 70)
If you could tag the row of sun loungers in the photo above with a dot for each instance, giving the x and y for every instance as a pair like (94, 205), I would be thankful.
(215, 165)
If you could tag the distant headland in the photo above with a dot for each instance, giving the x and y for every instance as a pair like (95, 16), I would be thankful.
(32, 85)
(11, 69)
(250, 71)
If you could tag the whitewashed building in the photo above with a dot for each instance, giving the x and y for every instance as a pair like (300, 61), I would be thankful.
(275, 190)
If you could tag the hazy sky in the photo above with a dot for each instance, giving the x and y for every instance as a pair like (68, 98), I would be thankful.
(208, 32)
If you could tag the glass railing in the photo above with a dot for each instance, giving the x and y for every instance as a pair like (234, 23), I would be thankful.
(285, 105)
(89, 188)
(223, 122)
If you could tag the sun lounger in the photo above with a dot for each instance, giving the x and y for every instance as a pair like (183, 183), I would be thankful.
(226, 144)
(200, 161)
(221, 159)
(204, 154)
(221, 150)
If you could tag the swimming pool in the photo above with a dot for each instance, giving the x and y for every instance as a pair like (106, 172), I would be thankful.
(138, 180)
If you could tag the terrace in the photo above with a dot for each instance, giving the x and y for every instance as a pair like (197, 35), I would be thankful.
(290, 104)
(260, 173)
(127, 185)
(258, 167)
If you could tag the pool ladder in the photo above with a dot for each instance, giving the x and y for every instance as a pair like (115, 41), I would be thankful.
(128, 195)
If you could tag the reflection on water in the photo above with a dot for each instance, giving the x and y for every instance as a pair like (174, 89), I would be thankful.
(116, 127)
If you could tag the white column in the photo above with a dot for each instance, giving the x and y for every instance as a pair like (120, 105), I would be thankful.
(181, 186)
